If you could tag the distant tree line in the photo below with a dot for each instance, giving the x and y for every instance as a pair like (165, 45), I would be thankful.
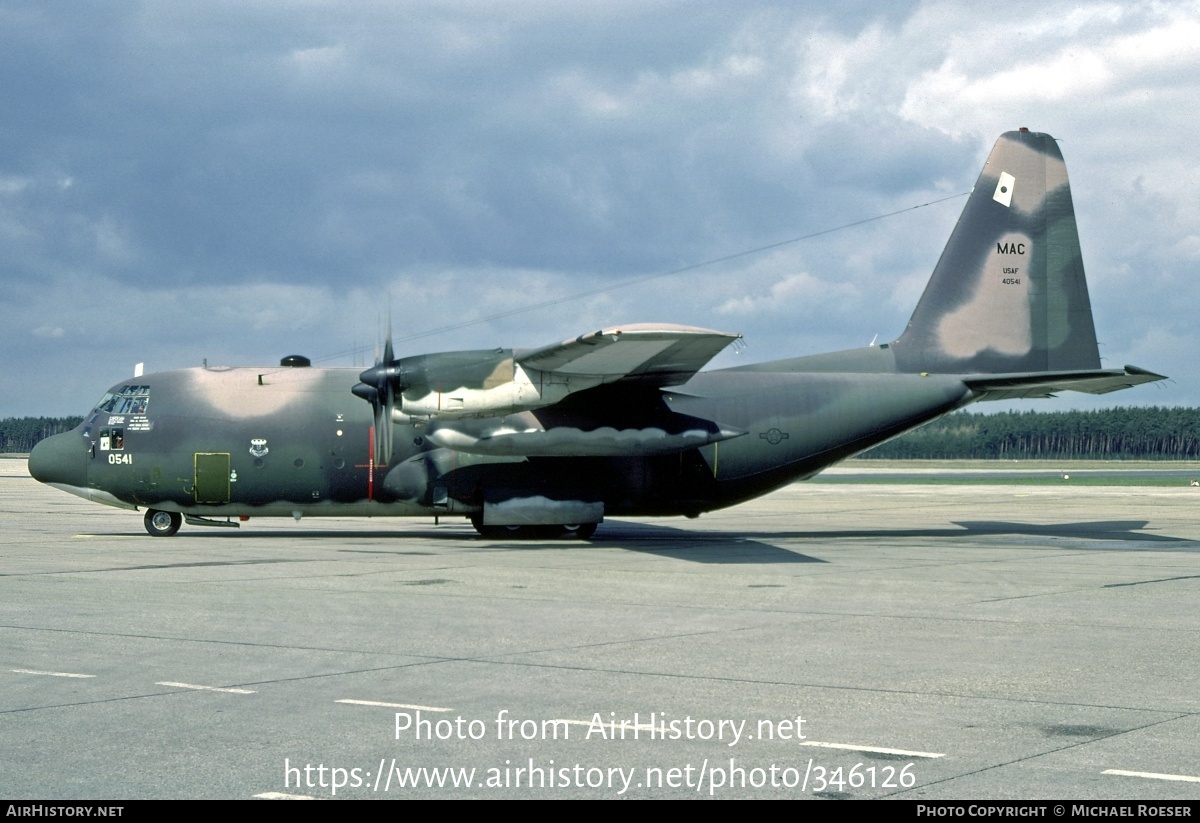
(1150, 433)
(19, 434)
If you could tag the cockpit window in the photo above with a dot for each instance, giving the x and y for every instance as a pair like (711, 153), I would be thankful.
(126, 400)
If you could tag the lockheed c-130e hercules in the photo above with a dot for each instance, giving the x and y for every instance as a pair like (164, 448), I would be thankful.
(620, 421)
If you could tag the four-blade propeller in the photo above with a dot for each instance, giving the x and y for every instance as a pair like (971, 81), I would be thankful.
(380, 385)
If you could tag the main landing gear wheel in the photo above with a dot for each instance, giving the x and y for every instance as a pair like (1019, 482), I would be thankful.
(502, 532)
(162, 524)
(574, 531)
(580, 531)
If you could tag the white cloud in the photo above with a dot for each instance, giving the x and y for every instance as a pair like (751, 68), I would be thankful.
(318, 57)
(10, 185)
(799, 295)
(988, 67)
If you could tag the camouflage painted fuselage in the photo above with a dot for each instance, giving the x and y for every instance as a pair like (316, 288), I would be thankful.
(227, 442)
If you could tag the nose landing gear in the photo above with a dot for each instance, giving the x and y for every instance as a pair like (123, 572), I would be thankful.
(162, 524)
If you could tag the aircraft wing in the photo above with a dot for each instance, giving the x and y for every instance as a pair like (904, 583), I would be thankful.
(597, 395)
(1044, 384)
(660, 355)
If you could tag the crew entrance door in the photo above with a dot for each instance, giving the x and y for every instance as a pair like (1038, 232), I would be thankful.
(212, 477)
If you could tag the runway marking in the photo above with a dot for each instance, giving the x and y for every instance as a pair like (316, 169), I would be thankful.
(875, 749)
(394, 705)
(205, 688)
(1186, 778)
(51, 674)
(283, 796)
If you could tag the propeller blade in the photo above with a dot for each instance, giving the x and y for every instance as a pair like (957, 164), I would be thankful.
(383, 455)
(379, 386)
(389, 403)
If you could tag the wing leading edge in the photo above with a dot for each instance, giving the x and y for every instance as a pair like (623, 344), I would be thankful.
(659, 355)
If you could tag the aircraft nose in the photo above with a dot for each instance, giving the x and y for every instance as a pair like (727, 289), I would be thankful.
(61, 459)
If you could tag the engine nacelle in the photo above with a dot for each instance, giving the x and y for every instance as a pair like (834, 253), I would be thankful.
(507, 389)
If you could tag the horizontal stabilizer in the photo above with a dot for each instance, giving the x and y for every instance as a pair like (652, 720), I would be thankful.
(1044, 384)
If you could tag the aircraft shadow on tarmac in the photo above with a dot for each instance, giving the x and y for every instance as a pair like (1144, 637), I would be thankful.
(698, 546)
(1088, 530)
(1114, 530)
(724, 547)
(645, 538)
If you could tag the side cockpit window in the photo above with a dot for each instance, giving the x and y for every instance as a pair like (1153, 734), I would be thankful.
(112, 440)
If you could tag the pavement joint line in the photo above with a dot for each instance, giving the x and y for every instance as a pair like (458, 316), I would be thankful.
(205, 688)
(380, 704)
(1186, 778)
(51, 674)
(1036, 755)
(1175, 714)
(854, 747)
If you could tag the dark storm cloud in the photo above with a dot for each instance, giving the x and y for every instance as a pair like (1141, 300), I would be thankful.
(239, 180)
(222, 142)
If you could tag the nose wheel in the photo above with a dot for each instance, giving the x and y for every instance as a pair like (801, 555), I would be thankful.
(162, 524)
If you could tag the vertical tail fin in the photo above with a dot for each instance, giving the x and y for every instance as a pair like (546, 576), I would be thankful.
(1008, 294)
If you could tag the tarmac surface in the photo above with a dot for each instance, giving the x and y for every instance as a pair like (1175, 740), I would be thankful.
(828, 641)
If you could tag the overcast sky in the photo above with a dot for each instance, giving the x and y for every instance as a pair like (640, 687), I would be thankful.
(237, 181)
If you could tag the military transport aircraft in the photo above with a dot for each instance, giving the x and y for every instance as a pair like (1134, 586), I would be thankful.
(620, 421)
